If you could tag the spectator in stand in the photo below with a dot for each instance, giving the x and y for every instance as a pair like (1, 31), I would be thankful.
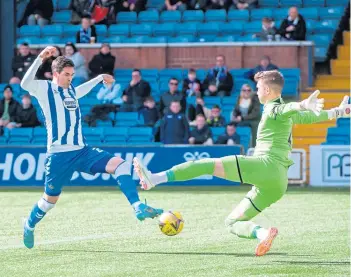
(37, 12)
(110, 97)
(217, 4)
(104, 62)
(269, 32)
(230, 137)
(131, 6)
(216, 119)
(294, 26)
(80, 8)
(27, 116)
(22, 61)
(200, 108)
(9, 109)
(14, 81)
(191, 85)
(103, 11)
(135, 94)
(265, 65)
(244, 4)
(45, 72)
(247, 111)
(87, 32)
(149, 112)
(202, 133)
(197, 5)
(218, 80)
(174, 126)
(172, 95)
(174, 5)
(78, 59)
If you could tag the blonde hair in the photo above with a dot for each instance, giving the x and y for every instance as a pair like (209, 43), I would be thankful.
(273, 79)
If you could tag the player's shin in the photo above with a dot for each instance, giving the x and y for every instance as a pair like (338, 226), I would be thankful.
(38, 212)
(191, 170)
(126, 183)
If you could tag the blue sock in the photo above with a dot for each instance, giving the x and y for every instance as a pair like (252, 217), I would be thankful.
(35, 216)
(128, 187)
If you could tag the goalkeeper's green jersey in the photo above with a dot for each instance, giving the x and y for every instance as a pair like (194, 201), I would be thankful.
(274, 134)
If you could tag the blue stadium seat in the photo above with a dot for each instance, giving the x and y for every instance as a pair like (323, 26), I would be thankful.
(331, 12)
(29, 40)
(343, 123)
(63, 4)
(115, 135)
(126, 119)
(212, 100)
(148, 16)
(289, 3)
(165, 29)
(232, 28)
(66, 39)
(52, 30)
(311, 26)
(253, 27)
(154, 4)
(291, 88)
(62, 17)
(217, 131)
(135, 39)
(229, 101)
(149, 72)
(331, 3)
(181, 39)
(70, 30)
(123, 73)
(245, 136)
(113, 39)
(208, 28)
(239, 72)
(216, 15)
(226, 39)
(39, 135)
(193, 16)
(141, 30)
(314, 3)
(167, 73)
(327, 26)
(118, 30)
(205, 38)
(170, 16)
(29, 31)
(104, 123)
(93, 135)
(140, 134)
(50, 40)
(126, 17)
(291, 73)
(269, 3)
(186, 29)
(21, 135)
(78, 81)
(238, 15)
(101, 30)
(258, 14)
(341, 135)
(280, 14)
(155, 40)
(309, 13)
(321, 40)
(320, 53)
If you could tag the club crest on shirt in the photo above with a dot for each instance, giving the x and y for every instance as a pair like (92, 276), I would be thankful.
(70, 103)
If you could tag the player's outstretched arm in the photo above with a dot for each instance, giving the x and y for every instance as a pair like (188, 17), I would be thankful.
(307, 117)
(28, 82)
(85, 88)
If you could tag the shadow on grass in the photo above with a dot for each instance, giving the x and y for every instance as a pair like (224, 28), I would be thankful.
(173, 253)
(313, 262)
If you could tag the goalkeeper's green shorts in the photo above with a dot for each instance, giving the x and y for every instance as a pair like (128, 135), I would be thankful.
(268, 177)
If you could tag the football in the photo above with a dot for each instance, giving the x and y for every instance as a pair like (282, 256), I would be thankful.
(171, 223)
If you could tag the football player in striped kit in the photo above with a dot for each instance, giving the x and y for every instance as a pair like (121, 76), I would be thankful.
(67, 150)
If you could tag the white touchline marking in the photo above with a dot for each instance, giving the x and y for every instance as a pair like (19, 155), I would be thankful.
(66, 240)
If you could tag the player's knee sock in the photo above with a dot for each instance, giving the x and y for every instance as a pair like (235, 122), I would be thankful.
(243, 229)
(126, 183)
(38, 212)
(191, 170)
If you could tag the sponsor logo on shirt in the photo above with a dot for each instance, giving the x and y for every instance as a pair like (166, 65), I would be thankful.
(70, 103)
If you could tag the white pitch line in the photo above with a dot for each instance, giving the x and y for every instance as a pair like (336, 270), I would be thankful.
(59, 241)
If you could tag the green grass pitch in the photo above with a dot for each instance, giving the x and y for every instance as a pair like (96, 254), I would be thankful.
(93, 233)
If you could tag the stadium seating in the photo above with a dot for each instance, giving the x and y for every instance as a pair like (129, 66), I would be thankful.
(171, 16)
(126, 17)
(148, 16)
(61, 17)
(193, 16)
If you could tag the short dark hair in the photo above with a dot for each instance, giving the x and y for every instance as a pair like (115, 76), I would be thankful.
(27, 95)
(8, 87)
(232, 124)
(72, 45)
(25, 44)
(175, 101)
(216, 107)
(173, 79)
(149, 98)
(60, 63)
(136, 70)
(86, 16)
(192, 70)
(201, 115)
(271, 78)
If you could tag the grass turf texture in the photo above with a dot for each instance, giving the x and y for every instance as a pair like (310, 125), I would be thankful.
(94, 233)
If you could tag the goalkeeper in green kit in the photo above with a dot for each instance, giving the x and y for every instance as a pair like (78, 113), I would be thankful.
(267, 169)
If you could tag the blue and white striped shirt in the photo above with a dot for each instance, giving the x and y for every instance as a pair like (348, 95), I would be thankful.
(60, 106)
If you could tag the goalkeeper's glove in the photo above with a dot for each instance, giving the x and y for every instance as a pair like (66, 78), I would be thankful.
(343, 111)
(312, 103)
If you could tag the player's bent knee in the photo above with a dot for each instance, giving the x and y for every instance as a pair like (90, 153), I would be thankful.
(229, 222)
(45, 205)
(123, 169)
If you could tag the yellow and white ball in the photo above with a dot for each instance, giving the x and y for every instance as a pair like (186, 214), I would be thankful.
(171, 223)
